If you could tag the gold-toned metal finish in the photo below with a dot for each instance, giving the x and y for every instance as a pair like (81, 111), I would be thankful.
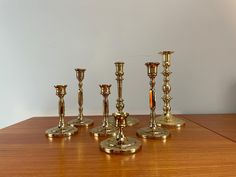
(80, 120)
(130, 121)
(120, 101)
(62, 129)
(120, 144)
(105, 129)
(153, 131)
(167, 119)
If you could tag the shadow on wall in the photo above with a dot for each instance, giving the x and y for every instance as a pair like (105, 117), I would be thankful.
(231, 98)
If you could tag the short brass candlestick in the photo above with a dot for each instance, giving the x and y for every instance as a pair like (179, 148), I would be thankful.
(62, 129)
(120, 101)
(105, 129)
(167, 119)
(120, 144)
(80, 120)
(153, 131)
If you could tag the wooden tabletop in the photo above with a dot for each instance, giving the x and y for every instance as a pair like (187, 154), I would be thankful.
(222, 124)
(195, 150)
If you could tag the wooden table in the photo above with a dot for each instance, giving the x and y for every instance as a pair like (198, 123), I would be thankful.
(222, 124)
(195, 150)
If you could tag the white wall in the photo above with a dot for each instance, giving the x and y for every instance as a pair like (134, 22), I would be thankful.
(42, 41)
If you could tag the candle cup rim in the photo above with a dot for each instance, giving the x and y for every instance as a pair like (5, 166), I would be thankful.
(152, 64)
(80, 69)
(120, 114)
(119, 62)
(57, 86)
(166, 52)
(104, 85)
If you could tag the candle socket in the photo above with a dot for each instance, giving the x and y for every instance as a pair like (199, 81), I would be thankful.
(167, 119)
(80, 120)
(62, 129)
(105, 129)
(120, 144)
(152, 131)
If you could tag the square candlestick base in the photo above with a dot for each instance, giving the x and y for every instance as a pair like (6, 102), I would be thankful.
(111, 146)
(156, 133)
(131, 121)
(61, 132)
(80, 122)
(103, 131)
(169, 121)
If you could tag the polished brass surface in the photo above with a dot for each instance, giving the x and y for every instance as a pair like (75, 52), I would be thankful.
(130, 121)
(167, 119)
(80, 120)
(119, 78)
(120, 101)
(61, 132)
(152, 131)
(105, 129)
(62, 129)
(120, 144)
(171, 121)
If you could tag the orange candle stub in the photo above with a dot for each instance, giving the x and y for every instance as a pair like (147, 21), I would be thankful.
(152, 101)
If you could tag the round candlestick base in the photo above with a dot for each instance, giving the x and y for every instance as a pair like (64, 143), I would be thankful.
(61, 132)
(103, 131)
(131, 121)
(77, 122)
(149, 133)
(111, 146)
(169, 121)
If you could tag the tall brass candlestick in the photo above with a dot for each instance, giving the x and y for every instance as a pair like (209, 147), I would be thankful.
(62, 129)
(80, 120)
(120, 144)
(167, 119)
(153, 131)
(120, 101)
(105, 129)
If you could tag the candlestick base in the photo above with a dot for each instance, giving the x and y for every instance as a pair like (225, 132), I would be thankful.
(111, 146)
(169, 121)
(78, 122)
(61, 132)
(149, 133)
(131, 121)
(103, 131)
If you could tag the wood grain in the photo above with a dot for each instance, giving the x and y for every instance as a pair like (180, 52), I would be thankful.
(191, 151)
(222, 124)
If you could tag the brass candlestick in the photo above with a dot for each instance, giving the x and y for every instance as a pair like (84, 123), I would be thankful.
(167, 119)
(153, 131)
(120, 102)
(120, 144)
(62, 129)
(105, 129)
(80, 120)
